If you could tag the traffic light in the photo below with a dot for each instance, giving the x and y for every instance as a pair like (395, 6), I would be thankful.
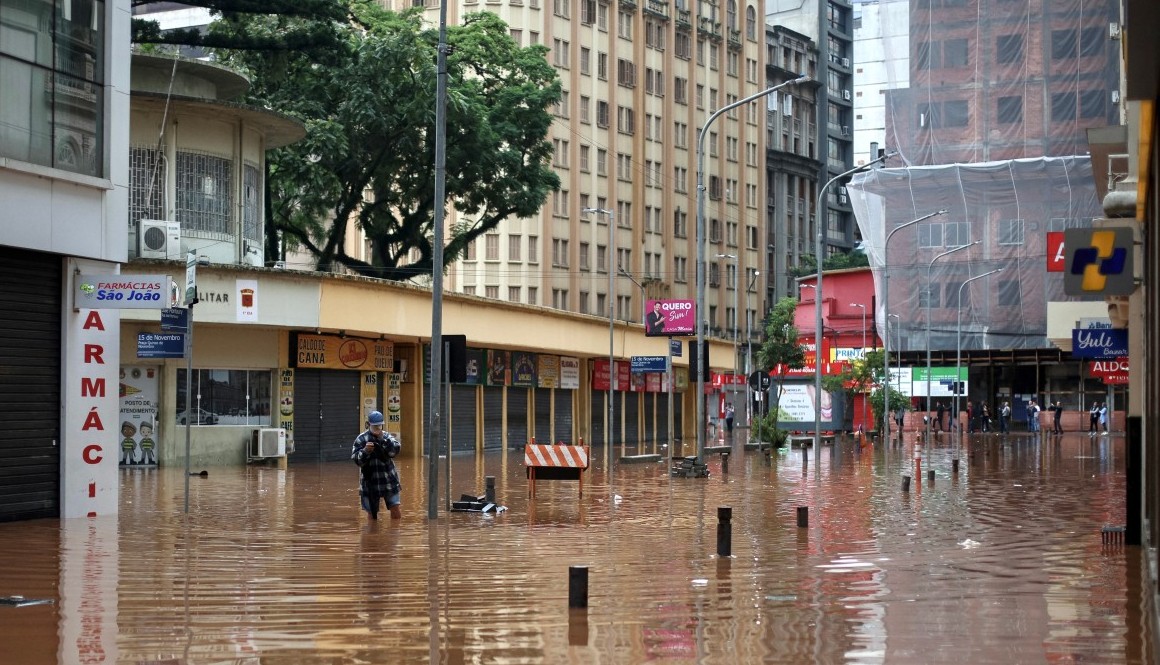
(455, 360)
(703, 358)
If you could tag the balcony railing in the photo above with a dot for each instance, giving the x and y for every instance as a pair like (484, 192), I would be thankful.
(658, 7)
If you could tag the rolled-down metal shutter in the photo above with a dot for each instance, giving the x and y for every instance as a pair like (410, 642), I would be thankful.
(678, 417)
(30, 375)
(648, 431)
(632, 418)
(599, 402)
(517, 417)
(327, 415)
(544, 415)
(463, 415)
(662, 411)
(563, 427)
(493, 418)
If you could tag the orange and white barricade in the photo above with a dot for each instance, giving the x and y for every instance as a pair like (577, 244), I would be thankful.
(555, 461)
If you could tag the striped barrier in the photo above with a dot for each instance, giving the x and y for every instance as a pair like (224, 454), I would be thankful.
(555, 461)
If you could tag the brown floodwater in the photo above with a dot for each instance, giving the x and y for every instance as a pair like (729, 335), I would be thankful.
(999, 563)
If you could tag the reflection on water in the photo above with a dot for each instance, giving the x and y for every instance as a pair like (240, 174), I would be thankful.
(1002, 563)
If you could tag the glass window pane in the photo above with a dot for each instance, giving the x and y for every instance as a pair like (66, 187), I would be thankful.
(78, 125)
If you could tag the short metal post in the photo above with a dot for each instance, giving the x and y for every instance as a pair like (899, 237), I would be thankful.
(577, 586)
(955, 465)
(724, 531)
(906, 483)
(489, 492)
(803, 517)
(930, 475)
(724, 462)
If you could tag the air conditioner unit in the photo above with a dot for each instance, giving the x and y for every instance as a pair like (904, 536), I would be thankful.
(158, 239)
(846, 62)
(1113, 30)
(1115, 96)
(268, 442)
(842, 198)
(845, 130)
(253, 255)
(846, 95)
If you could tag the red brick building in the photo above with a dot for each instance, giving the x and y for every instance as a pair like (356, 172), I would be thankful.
(999, 79)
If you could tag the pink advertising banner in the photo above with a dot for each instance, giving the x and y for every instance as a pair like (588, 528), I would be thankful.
(670, 317)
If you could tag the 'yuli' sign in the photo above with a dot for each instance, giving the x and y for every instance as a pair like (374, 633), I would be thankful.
(1103, 343)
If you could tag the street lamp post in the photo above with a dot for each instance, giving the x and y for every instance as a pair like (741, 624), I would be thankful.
(700, 313)
(959, 349)
(864, 400)
(611, 311)
(886, 352)
(749, 348)
(886, 310)
(820, 220)
(625, 273)
(736, 324)
(928, 344)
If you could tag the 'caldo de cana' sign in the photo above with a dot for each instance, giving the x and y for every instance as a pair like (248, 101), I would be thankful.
(123, 292)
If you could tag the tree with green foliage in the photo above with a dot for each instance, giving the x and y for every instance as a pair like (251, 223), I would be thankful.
(809, 266)
(368, 158)
(865, 376)
(780, 352)
(856, 377)
(310, 25)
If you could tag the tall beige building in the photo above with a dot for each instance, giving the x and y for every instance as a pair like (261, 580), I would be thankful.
(639, 82)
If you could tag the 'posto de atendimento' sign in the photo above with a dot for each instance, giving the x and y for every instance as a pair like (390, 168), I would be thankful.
(123, 292)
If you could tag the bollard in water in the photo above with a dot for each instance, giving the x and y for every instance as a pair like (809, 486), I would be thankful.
(724, 531)
(805, 454)
(803, 517)
(930, 475)
(577, 586)
(489, 491)
(955, 465)
(724, 462)
(906, 483)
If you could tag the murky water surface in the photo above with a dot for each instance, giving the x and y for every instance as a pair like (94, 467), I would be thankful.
(1001, 563)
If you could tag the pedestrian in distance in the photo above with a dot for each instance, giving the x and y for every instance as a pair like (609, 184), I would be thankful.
(1104, 417)
(374, 451)
(1004, 417)
(729, 415)
(1057, 419)
(1033, 416)
(1094, 419)
(942, 413)
(986, 418)
(970, 418)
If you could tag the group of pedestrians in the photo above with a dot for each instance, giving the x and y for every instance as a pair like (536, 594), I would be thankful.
(979, 417)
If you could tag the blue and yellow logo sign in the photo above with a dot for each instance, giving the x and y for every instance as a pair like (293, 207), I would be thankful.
(1099, 262)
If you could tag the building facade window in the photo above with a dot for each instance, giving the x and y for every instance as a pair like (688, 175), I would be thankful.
(225, 397)
(52, 64)
(203, 197)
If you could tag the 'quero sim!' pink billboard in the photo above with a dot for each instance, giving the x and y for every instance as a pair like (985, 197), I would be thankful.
(670, 317)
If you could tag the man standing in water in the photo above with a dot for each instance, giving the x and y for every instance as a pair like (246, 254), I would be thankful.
(374, 451)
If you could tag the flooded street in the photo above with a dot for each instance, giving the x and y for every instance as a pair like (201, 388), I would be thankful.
(999, 563)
